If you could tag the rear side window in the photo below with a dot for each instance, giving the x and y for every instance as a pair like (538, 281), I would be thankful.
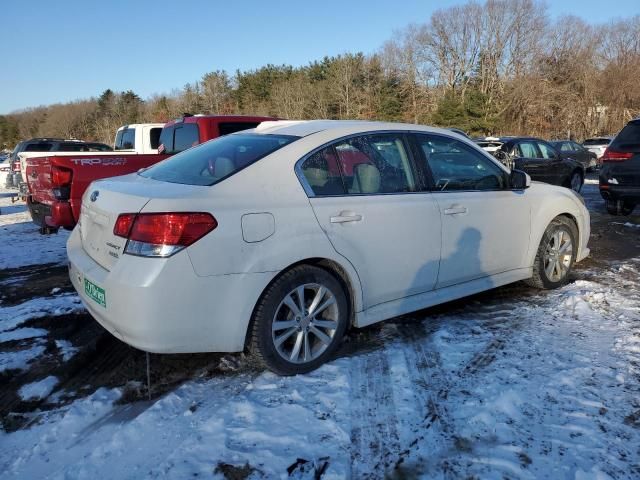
(225, 128)
(216, 160)
(628, 138)
(372, 164)
(38, 147)
(154, 137)
(322, 173)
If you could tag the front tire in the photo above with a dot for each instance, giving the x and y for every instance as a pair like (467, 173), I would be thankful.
(576, 182)
(556, 255)
(299, 321)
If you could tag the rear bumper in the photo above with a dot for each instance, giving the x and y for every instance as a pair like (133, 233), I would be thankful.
(162, 306)
(620, 192)
(57, 214)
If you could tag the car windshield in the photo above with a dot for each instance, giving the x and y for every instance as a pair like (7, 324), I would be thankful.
(217, 159)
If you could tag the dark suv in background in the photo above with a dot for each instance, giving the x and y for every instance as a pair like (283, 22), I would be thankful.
(620, 172)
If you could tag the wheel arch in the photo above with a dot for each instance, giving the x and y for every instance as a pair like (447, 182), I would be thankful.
(346, 278)
(543, 227)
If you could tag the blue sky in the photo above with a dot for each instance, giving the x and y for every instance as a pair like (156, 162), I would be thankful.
(57, 51)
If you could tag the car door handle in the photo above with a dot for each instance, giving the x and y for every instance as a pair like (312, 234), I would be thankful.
(454, 209)
(344, 217)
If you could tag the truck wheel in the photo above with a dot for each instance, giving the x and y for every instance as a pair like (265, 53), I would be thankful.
(299, 321)
(48, 230)
(556, 255)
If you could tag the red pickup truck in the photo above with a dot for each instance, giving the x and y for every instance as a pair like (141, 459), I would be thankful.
(57, 183)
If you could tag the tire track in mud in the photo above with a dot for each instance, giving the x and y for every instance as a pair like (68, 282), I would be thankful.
(374, 434)
(377, 447)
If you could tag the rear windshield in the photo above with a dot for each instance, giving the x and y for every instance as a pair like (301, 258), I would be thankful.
(628, 139)
(38, 147)
(217, 159)
(597, 141)
(71, 147)
(177, 138)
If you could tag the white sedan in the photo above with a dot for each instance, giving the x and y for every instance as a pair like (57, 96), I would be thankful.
(281, 238)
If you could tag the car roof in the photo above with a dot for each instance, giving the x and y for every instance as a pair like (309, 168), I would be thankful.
(302, 128)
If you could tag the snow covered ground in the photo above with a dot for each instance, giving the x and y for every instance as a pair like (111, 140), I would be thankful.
(513, 383)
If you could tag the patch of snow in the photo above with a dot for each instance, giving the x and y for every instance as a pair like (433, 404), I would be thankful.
(55, 290)
(19, 359)
(38, 390)
(22, 334)
(67, 350)
(22, 243)
(11, 317)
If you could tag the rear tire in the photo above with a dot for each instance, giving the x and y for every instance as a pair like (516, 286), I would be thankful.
(619, 207)
(299, 321)
(556, 255)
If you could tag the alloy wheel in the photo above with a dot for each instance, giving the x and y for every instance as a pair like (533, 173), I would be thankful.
(558, 254)
(305, 323)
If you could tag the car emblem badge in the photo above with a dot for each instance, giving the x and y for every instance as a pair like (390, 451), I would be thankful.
(94, 195)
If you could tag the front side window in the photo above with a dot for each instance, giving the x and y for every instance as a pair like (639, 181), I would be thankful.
(125, 139)
(372, 164)
(213, 161)
(456, 166)
(186, 136)
(179, 137)
(322, 173)
(527, 150)
(547, 151)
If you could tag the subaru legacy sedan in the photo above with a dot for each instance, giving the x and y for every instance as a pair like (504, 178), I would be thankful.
(279, 239)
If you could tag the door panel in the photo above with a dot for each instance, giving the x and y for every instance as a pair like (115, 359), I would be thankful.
(393, 241)
(489, 236)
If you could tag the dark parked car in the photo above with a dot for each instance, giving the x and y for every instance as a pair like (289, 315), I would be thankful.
(571, 149)
(540, 160)
(620, 172)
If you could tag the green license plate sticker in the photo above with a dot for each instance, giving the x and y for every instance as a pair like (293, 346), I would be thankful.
(96, 293)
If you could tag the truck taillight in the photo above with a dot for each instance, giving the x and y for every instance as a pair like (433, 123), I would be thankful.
(614, 156)
(162, 234)
(60, 177)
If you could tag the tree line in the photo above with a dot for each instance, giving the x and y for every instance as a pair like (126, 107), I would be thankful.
(498, 67)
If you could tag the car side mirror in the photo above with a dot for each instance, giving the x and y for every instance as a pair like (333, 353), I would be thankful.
(519, 180)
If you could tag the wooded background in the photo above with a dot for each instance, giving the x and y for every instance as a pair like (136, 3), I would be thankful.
(498, 67)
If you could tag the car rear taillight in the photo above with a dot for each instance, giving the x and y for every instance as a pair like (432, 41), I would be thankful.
(60, 177)
(61, 181)
(614, 156)
(162, 234)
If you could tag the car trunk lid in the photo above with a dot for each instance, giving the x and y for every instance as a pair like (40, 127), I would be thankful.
(105, 200)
